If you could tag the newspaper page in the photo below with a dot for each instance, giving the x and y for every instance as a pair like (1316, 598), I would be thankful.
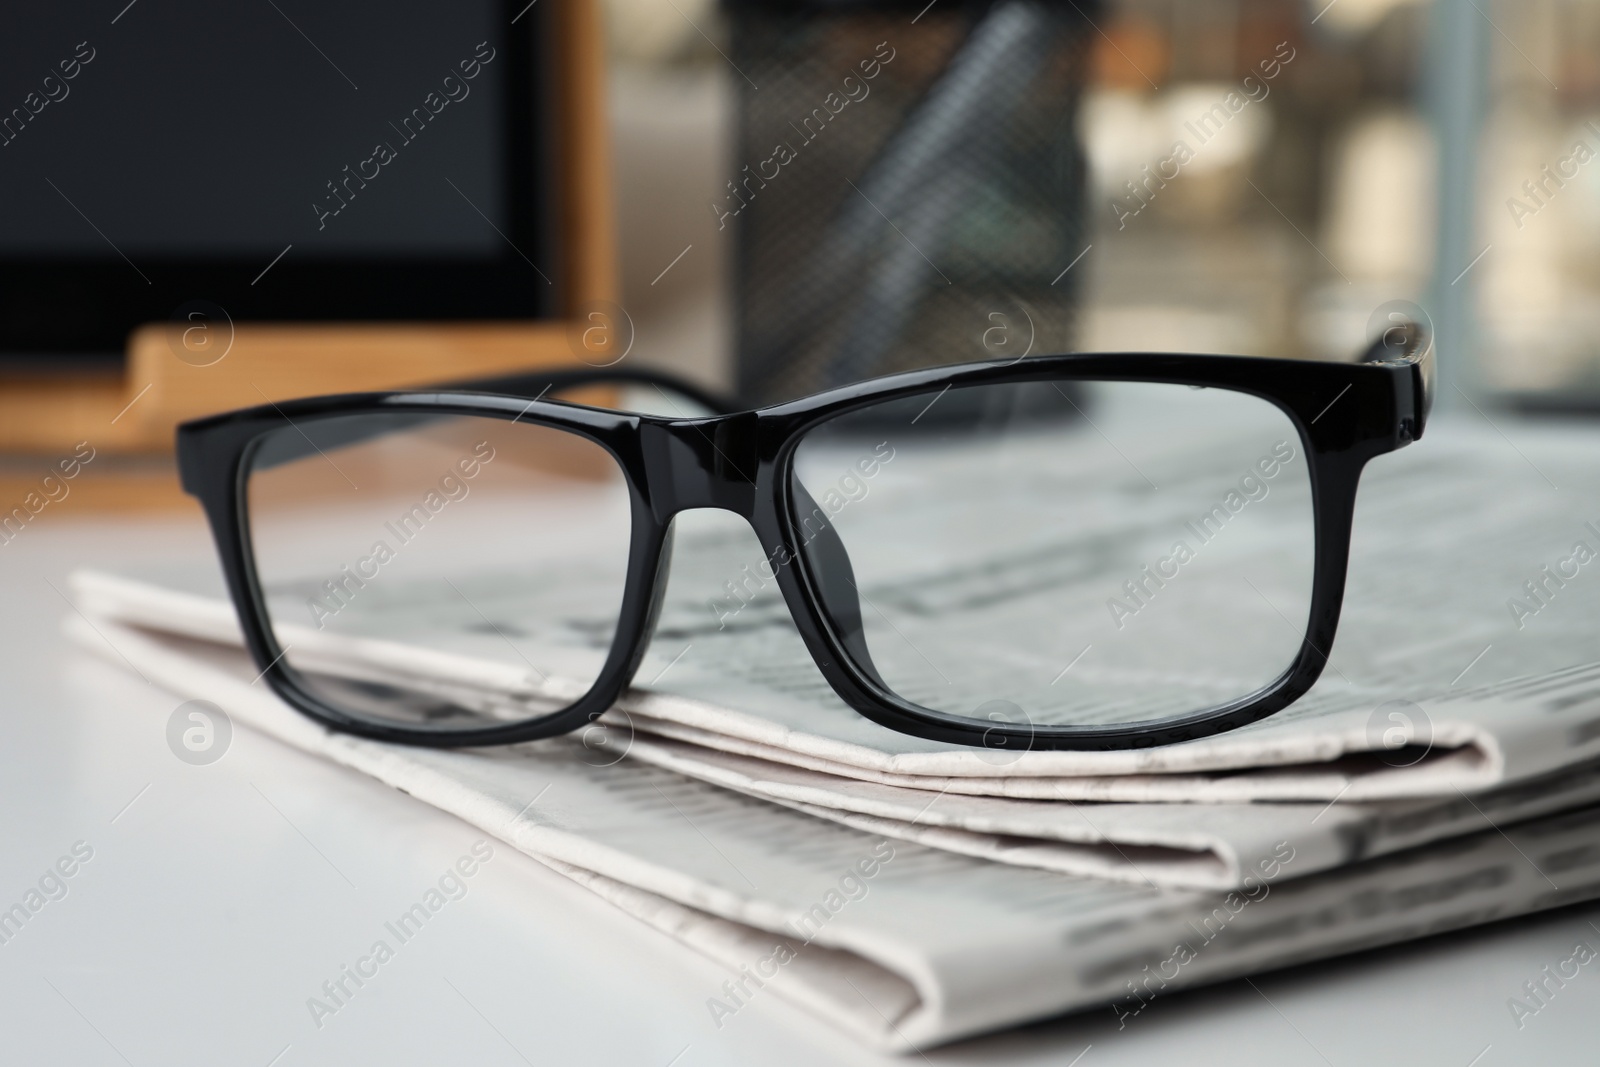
(899, 945)
(1437, 650)
(1449, 536)
(1231, 768)
(1202, 846)
(1214, 846)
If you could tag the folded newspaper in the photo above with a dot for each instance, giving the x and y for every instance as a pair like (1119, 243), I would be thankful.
(1376, 809)
(900, 944)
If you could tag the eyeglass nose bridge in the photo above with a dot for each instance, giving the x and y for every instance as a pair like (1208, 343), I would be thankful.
(701, 463)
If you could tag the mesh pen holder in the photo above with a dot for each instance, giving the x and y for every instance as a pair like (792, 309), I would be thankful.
(908, 188)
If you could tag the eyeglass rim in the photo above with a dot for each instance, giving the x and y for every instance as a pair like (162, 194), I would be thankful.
(1345, 414)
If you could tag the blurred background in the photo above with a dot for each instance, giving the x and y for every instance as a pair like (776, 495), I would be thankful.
(1431, 154)
(775, 197)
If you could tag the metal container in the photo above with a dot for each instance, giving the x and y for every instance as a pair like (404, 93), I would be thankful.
(909, 186)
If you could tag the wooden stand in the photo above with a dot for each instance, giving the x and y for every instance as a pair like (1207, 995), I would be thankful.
(132, 413)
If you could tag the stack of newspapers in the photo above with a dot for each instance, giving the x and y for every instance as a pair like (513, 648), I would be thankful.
(1444, 773)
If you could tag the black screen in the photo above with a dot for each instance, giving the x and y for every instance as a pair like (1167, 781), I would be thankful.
(378, 156)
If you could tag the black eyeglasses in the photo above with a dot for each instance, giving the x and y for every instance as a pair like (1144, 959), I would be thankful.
(1088, 551)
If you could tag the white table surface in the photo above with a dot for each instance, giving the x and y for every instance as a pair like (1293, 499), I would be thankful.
(220, 897)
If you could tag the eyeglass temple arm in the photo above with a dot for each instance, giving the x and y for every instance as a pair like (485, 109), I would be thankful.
(541, 383)
(532, 384)
(1406, 344)
(1403, 340)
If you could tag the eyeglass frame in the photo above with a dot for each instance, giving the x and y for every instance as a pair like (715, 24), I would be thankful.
(742, 461)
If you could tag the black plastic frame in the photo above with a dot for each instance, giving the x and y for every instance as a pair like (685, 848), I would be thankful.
(741, 461)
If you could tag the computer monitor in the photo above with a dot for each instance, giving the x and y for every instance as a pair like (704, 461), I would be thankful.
(286, 161)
